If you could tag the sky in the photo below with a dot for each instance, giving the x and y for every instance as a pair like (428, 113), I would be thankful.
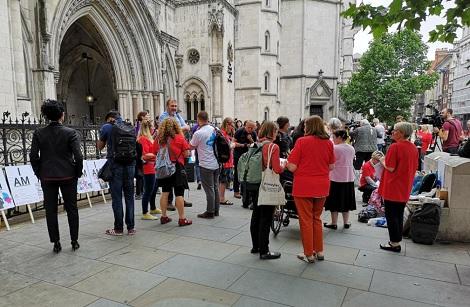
(362, 38)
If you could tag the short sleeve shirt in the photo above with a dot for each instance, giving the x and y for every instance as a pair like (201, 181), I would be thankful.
(368, 170)
(455, 130)
(203, 139)
(396, 186)
(177, 117)
(242, 138)
(178, 146)
(105, 136)
(344, 169)
(313, 157)
(147, 147)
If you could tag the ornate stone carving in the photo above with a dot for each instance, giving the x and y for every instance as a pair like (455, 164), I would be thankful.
(216, 16)
(216, 69)
(179, 60)
(193, 56)
(230, 52)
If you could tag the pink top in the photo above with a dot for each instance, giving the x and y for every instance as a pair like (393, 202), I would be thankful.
(344, 170)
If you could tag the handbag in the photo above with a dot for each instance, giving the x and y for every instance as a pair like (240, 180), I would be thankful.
(106, 173)
(271, 192)
(164, 168)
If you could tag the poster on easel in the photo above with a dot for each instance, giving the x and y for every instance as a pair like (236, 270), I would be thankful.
(85, 182)
(24, 186)
(94, 167)
(6, 201)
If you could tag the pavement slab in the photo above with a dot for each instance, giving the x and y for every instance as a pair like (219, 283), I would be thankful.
(358, 298)
(173, 292)
(138, 257)
(11, 281)
(200, 248)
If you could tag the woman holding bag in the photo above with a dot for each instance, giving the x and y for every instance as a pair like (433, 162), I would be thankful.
(262, 216)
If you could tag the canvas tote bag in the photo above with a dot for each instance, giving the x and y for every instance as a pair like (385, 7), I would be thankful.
(271, 192)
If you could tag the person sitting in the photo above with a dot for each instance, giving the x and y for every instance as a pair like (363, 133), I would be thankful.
(368, 181)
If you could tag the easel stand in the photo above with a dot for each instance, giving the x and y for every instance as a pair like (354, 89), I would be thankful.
(89, 200)
(104, 197)
(30, 213)
(4, 217)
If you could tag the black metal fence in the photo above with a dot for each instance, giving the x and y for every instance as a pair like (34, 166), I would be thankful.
(16, 137)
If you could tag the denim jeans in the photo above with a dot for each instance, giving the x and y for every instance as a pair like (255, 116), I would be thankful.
(149, 189)
(123, 181)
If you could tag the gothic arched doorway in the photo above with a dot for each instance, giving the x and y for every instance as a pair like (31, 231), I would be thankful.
(85, 68)
(195, 98)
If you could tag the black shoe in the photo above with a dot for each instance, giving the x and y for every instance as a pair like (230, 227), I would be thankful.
(170, 207)
(188, 204)
(138, 197)
(206, 215)
(347, 226)
(251, 207)
(198, 186)
(330, 226)
(391, 248)
(270, 255)
(57, 247)
(244, 207)
(216, 213)
(75, 245)
(254, 250)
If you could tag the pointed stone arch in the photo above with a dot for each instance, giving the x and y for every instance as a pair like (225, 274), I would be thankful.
(196, 97)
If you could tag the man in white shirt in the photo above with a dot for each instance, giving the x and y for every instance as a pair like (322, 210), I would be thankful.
(203, 141)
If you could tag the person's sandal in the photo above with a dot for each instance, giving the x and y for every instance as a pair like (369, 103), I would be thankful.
(131, 232)
(226, 203)
(319, 257)
(330, 226)
(308, 259)
(113, 232)
(347, 225)
(390, 247)
(184, 222)
(164, 220)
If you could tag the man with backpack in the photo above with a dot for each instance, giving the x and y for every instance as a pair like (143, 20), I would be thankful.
(119, 137)
(451, 132)
(203, 141)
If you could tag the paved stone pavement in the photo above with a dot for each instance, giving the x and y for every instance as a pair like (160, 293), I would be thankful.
(209, 264)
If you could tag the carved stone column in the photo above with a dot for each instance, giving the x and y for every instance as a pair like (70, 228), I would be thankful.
(145, 101)
(217, 95)
(122, 103)
(135, 106)
(156, 104)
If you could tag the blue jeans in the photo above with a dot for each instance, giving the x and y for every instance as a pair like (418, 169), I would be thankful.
(123, 181)
(149, 193)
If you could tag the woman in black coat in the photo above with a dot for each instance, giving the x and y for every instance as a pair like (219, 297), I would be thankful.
(57, 161)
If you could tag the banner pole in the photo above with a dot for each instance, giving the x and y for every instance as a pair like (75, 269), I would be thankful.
(89, 200)
(5, 219)
(104, 197)
(30, 213)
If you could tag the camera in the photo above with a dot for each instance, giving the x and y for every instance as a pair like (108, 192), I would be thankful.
(434, 119)
(352, 124)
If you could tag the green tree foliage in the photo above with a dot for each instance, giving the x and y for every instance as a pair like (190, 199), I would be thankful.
(392, 72)
(410, 14)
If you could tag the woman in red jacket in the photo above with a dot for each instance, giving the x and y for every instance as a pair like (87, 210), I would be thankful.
(148, 157)
(311, 161)
(262, 216)
(400, 165)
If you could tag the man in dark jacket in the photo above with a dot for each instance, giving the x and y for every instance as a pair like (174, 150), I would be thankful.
(57, 161)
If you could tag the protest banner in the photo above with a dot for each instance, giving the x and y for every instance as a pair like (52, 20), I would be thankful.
(6, 201)
(24, 186)
(94, 167)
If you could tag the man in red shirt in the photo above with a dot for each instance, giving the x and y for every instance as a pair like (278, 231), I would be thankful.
(451, 133)
(368, 181)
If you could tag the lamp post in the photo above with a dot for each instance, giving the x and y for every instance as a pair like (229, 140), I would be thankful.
(89, 99)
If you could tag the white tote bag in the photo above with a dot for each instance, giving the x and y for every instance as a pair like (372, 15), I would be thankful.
(271, 192)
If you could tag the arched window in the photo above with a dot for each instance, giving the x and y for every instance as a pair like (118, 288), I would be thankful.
(195, 107)
(266, 114)
(267, 42)
(266, 81)
(202, 102)
(187, 100)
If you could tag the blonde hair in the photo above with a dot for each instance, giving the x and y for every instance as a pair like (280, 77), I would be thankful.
(377, 155)
(405, 128)
(168, 129)
(314, 126)
(268, 129)
(424, 128)
(144, 130)
(225, 124)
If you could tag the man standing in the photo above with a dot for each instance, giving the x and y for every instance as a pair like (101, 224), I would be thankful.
(365, 143)
(203, 141)
(172, 111)
(244, 137)
(451, 132)
(122, 170)
(380, 134)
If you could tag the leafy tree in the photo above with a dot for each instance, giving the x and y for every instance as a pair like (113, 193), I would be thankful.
(392, 72)
(410, 14)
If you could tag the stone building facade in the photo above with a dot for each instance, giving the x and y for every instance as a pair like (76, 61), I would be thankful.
(460, 78)
(240, 58)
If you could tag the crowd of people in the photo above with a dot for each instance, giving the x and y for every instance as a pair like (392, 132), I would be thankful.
(321, 158)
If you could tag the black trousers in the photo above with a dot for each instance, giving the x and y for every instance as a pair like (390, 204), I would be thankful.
(68, 188)
(361, 157)
(261, 220)
(236, 183)
(139, 185)
(394, 215)
(366, 192)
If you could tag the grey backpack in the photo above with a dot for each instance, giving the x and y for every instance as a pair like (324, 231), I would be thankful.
(164, 168)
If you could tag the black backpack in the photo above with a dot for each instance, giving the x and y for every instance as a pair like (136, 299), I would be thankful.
(221, 147)
(123, 143)
(425, 224)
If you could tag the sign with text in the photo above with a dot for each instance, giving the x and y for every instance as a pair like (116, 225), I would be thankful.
(24, 186)
(6, 201)
(94, 167)
(85, 183)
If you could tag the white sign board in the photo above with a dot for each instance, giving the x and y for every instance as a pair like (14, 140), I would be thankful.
(85, 183)
(6, 201)
(94, 167)
(24, 186)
